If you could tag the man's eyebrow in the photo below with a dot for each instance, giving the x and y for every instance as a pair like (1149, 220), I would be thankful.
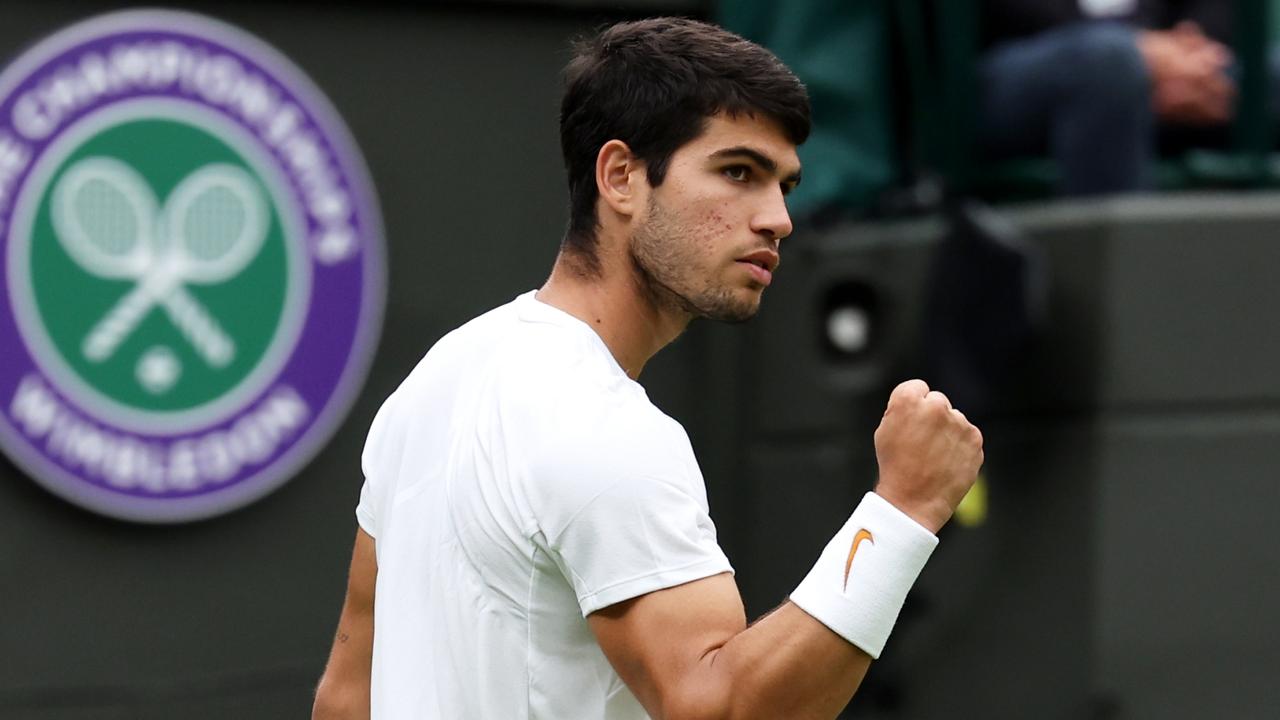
(764, 161)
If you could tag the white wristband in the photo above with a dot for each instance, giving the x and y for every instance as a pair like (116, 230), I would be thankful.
(860, 581)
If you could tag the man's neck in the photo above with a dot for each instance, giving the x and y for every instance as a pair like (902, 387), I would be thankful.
(616, 305)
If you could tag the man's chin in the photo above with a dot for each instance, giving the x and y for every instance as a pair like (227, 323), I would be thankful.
(733, 313)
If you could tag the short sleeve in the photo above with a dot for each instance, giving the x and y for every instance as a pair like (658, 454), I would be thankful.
(638, 535)
(378, 444)
(610, 485)
(364, 511)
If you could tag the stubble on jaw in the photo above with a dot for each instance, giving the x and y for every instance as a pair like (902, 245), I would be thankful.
(663, 252)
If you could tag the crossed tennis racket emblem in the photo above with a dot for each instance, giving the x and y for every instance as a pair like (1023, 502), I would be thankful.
(111, 224)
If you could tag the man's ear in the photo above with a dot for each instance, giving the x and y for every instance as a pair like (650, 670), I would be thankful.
(619, 177)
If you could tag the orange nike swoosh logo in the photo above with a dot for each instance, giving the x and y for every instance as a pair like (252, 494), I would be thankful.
(853, 550)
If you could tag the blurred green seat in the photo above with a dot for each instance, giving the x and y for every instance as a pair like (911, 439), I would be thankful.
(840, 50)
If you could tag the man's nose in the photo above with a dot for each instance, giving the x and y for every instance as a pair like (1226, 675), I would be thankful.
(772, 218)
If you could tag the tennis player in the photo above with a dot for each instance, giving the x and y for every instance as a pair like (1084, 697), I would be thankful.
(534, 536)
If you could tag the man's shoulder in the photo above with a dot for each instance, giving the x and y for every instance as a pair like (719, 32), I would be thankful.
(500, 341)
(477, 330)
(544, 383)
(588, 436)
(610, 457)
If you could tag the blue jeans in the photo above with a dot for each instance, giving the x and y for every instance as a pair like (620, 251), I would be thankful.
(1079, 93)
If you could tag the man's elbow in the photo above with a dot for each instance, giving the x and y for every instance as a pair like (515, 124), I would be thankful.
(700, 698)
(336, 702)
(719, 695)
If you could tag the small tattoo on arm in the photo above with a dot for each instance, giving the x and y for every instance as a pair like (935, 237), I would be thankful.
(343, 637)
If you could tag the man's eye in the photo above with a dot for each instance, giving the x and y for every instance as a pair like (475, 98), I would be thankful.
(738, 173)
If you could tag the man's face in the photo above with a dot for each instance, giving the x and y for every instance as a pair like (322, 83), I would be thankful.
(707, 242)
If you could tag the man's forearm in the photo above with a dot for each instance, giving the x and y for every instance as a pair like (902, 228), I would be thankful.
(343, 693)
(786, 665)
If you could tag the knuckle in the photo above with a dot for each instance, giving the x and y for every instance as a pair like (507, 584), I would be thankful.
(937, 408)
(911, 388)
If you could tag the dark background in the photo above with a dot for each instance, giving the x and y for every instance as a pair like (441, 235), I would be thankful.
(1126, 565)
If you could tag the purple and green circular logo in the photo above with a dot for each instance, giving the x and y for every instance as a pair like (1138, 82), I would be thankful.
(191, 260)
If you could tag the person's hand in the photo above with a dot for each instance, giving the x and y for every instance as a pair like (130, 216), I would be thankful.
(1189, 80)
(929, 454)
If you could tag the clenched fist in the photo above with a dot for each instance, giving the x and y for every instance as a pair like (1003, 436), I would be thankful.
(929, 454)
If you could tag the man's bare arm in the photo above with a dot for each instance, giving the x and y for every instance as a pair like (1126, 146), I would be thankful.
(687, 652)
(343, 693)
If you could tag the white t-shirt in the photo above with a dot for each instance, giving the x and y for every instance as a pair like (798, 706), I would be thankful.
(515, 482)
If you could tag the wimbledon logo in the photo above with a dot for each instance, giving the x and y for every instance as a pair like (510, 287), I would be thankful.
(191, 261)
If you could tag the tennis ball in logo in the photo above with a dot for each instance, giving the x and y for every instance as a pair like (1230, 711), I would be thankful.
(132, 244)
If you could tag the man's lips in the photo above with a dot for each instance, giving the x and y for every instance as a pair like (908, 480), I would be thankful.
(761, 264)
(767, 259)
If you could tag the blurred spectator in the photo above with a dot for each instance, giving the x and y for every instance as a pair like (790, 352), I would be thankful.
(1095, 83)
